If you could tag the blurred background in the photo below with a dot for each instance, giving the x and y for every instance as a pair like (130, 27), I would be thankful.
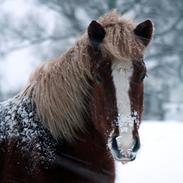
(34, 31)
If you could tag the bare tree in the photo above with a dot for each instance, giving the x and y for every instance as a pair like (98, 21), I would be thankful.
(164, 59)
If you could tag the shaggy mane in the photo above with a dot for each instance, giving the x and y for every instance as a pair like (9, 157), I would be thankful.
(59, 87)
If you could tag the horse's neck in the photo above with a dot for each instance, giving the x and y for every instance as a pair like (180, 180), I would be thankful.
(90, 147)
(88, 159)
(89, 151)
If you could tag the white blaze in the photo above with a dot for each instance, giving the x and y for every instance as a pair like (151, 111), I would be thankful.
(121, 72)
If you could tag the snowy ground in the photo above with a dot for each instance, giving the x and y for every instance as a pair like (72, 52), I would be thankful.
(161, 157)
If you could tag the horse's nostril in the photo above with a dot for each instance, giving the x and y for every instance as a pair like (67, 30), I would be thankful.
(136, 144)
(114, 143)
(132, 157)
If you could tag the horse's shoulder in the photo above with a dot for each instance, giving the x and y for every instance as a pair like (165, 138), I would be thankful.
(25, 138)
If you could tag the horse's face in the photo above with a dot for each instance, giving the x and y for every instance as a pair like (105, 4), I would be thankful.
(117, 95)
(128, 82)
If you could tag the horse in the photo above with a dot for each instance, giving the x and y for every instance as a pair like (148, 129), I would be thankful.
(80, 111)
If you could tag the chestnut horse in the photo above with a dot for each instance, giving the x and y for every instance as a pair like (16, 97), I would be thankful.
(80, 111)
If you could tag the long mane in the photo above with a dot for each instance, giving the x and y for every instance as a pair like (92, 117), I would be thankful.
(59, 87)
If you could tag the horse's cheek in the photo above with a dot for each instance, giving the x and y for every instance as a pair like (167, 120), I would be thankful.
(97, 108)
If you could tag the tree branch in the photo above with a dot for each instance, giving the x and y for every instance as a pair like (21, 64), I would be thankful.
(33, 42)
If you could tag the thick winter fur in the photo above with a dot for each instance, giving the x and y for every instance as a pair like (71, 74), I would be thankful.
(59, 87)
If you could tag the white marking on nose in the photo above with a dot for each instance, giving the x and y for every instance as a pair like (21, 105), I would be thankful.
(122, 72)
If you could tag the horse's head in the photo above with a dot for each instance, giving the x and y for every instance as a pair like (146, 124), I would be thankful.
(118, 70)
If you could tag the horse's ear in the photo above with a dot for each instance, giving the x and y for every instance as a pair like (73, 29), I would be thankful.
(96, 32)
(144, 31)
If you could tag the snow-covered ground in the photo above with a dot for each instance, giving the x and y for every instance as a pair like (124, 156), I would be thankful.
(161, 157)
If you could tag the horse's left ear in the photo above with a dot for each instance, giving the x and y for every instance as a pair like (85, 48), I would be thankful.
(96, 32)
(144, 31)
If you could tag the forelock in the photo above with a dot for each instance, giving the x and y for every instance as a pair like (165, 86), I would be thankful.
(109, 18)
(120, 41)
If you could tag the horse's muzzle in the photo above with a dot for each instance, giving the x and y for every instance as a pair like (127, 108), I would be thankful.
(127, 154)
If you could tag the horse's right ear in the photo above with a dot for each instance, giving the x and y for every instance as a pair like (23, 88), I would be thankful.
(144, 31)
(96, 32)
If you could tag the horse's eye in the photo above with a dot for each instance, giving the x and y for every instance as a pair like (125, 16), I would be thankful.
(98, 78)
(142, 77)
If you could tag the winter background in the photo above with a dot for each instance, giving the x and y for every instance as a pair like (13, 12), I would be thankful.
(33, 31)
